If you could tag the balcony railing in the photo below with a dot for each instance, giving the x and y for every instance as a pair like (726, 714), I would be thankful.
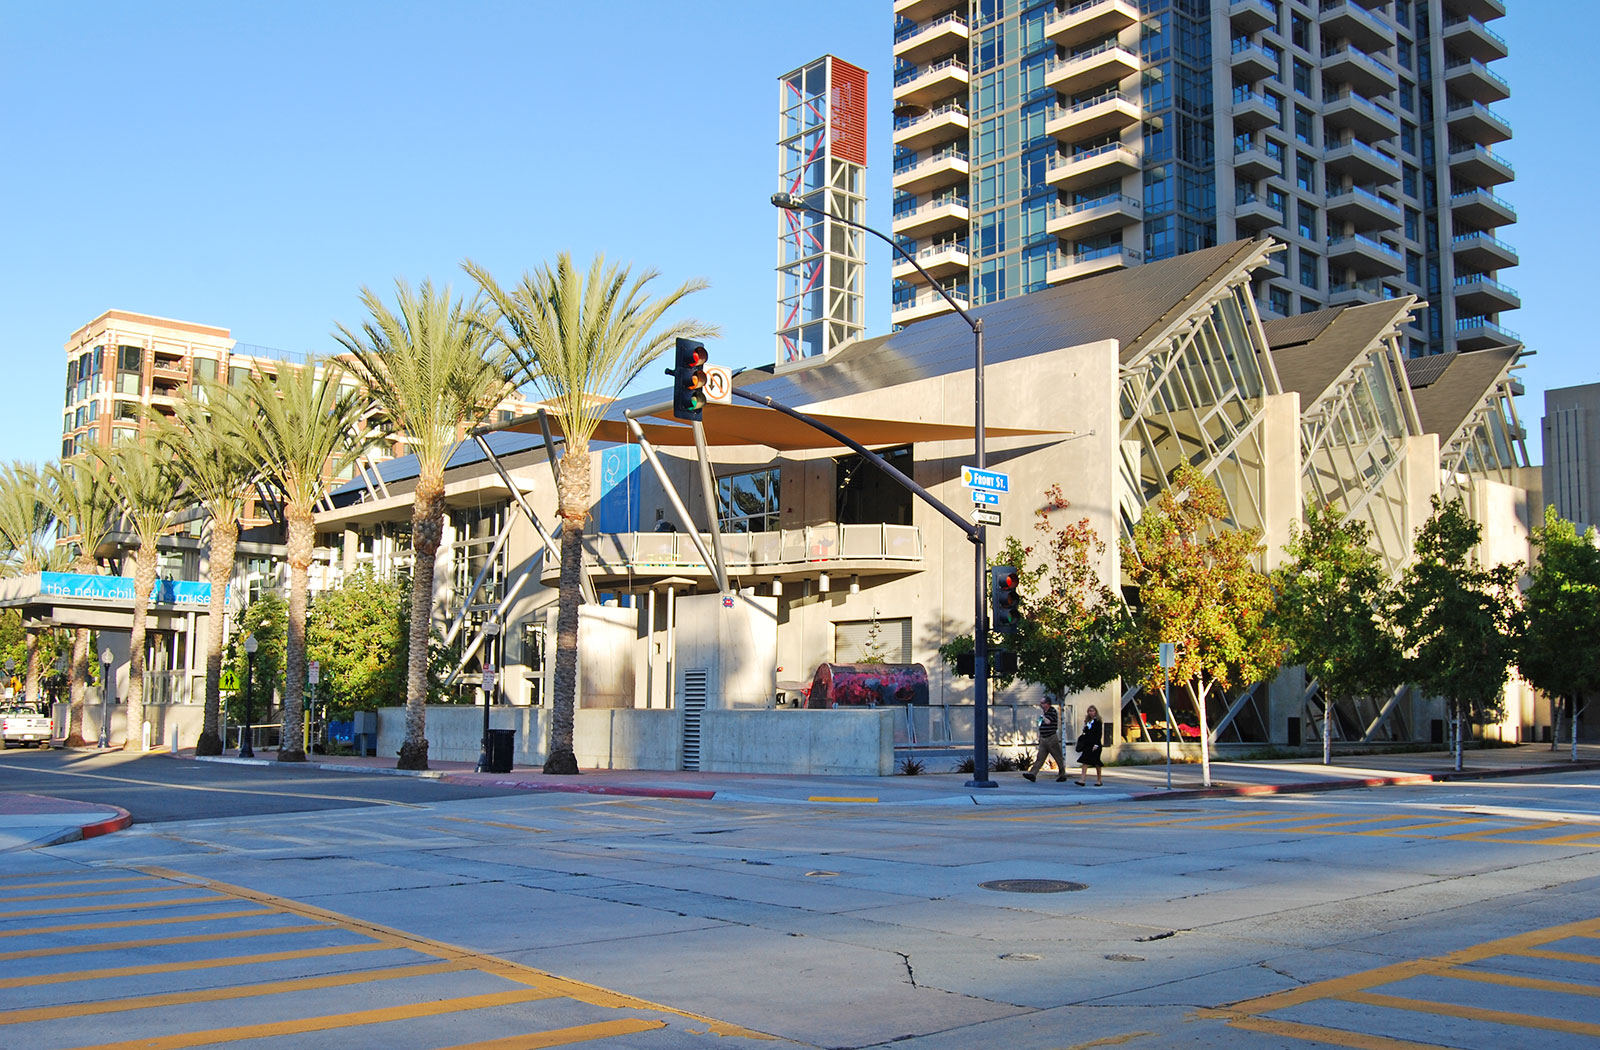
(905, 164)
(1456, 20)
(1478, 280)
(921, 27)
(1464, 324)
(902, 123)
(1060, 210)
(1479, 67)
(613, 552)
(909, 75)
(929, 207)
(1368, 196)
(1362, 238)
(1482, 238)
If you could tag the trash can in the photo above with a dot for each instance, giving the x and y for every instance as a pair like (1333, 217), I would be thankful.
(502, 742)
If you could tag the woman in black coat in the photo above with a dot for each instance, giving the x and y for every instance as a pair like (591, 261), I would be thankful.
(1089, 748)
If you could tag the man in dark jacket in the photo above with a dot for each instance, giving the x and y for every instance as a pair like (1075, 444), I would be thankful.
(1049, 740)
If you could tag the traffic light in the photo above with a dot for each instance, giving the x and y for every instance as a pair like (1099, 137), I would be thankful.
(689, 380)
(1003, 599)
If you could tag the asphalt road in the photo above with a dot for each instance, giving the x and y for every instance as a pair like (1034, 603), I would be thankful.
(156, 789)
(1463, 915)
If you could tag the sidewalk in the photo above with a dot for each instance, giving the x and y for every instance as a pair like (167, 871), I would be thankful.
(33, 821)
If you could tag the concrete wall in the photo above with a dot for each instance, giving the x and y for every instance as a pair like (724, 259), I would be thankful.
(795, 740)
(455, 731)
(626, 739)
(736, 644)
(187, 719)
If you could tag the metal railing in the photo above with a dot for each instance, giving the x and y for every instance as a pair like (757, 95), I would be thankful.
(902, 123)
(1083, 56)
(622, 551)
(1480, 280)
(1361, 238)
(1477, 67)
(1479, 321)
(922, 27)
(1366, 195)
(909, 75)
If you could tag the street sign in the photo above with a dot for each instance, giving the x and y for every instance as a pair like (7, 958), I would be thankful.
(988, 480)
(719, 384)
(1169, 655)
(985, 516)
(314, 672)
(989, 498)
(488, 678)
(229, 679)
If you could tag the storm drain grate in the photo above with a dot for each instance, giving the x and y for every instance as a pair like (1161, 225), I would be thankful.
(1033, 886)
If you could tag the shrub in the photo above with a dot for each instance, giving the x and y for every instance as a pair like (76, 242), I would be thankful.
(911, 767)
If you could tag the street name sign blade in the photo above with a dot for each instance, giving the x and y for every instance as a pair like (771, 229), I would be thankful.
(990, 498)
(985, 516)
(987, 480)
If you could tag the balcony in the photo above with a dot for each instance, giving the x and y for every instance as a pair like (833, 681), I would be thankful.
(858, 550)
(1365, 255)
(924, 304)
(1475, 122)
(1363, 209)
(1479, 166)
(1361, 162)
(1350, 65)
(1092, 217)
(1473, 80)
(945, 35)
(1361, 116)
(1344, 20)
(1107, 65)
(1093, 20)
(1482, 10)
(1468, 37)
(1257, 161)
(1480, 333)
(933, 217)
(1072, 267)
(1480, 251)
(945, 259)
(926, 10)
(1350, 293)
(1478, 293)
(1102, 164)
(1103, 115)
(1253, 61)
(1253, 110)
(927, 85)
(1482, 209)
(947, 123)
(1252, 16)
(1252, 214)
(948, 167)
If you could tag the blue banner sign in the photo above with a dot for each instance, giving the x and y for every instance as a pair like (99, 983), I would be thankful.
(986, 480)
(184, 593)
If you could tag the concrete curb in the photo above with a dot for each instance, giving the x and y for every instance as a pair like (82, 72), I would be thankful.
(583, 789)
(106, 827)
(1355, 783)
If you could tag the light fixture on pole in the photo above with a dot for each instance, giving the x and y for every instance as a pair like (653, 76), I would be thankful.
(980, 615)
(491, 631)
(108, 686)
(250, 646)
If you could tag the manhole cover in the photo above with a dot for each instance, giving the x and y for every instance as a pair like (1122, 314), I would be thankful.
(1032, 886)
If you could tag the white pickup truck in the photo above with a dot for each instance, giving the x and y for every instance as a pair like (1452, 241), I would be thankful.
(20, 725)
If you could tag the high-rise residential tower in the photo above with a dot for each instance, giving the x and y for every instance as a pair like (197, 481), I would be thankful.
(1039, 142)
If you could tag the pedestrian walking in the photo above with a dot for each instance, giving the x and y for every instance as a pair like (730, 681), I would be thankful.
(1049, 741)
(1089, 748)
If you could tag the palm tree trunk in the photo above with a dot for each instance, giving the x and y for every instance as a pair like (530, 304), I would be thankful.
(427, 527)
(302, 536)
(574, 498)
(219, 554)
(77, 681)
(144, 581)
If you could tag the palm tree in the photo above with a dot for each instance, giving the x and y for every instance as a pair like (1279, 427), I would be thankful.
(300, 428)
(148, 487)
(432, 368)
(579, 340)
(25, 518)
(84, 504)
(219, 476)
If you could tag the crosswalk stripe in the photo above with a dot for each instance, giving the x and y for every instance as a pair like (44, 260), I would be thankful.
(122, 906)
(152, 942)
(563, 1036)
(74, 882)
(121, 923)
(1473, 1013)
(1515, 981)
(1330, 1036)
(193, 964)
(96, 894)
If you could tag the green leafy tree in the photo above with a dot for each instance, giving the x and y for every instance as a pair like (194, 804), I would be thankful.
(302, 428)
(578, 340)
(433, 367)
(354, 633)
(85, 506)
(267, 620)
(219, 476)
(1557, 652)
(148, 486)
(1457, 620)
(1199, 590)
(1331, 608)
(25, 521)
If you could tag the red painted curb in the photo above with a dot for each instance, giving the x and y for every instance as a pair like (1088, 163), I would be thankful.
(106, 827)
(586, 789)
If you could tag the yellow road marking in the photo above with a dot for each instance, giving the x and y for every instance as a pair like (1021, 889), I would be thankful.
(1474, 1013)
(1470, 835)
(326, 1022)
(25, 913)
(563, 1036)
(193, 938)
(1565, 840)
(192, 964)
(1513, 981)
(838, 798)
(1331, 1036)
(1290, 818)
(94, 894)
(1546, 953)
(564, 986)
(242, 991)
(75, 882)
(75, 926)
(498, 824)
(1407, 829)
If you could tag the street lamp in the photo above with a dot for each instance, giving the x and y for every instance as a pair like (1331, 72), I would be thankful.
(491, 631)
(980, 616)
(108, 686)
(250, 646)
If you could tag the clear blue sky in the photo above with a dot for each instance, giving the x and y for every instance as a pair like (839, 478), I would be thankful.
(253, 165)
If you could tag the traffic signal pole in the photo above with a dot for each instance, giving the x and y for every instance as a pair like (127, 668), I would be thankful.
(980, 617)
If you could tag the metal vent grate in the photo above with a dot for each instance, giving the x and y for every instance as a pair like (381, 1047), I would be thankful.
(693, 697)
(1033, 885)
